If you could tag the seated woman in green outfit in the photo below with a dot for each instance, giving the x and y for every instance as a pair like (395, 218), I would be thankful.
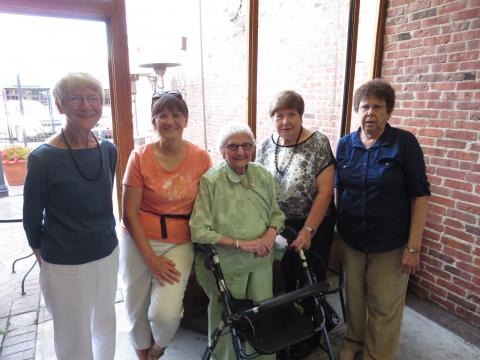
(237, 211)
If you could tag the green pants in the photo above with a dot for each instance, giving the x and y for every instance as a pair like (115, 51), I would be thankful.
(254, 284)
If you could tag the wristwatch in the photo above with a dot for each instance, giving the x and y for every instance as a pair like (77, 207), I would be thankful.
(411, 250)
(274, 227)
(309, 229)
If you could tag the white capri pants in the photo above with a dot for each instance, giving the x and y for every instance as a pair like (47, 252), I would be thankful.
(152, 310)
(81, 300)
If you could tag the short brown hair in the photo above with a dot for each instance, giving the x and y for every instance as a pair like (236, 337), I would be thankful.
(378, 88)
(287, 99)
(169, 102)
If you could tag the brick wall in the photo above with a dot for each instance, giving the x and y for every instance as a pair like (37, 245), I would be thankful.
(432, 58)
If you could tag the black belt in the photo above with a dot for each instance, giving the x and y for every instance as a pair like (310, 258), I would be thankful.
(163, 222)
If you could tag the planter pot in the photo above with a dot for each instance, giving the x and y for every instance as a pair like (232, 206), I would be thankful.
(15, 172)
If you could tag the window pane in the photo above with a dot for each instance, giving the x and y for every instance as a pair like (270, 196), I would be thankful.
(302, 47)
(207, 40)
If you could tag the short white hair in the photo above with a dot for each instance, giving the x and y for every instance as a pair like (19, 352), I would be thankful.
(73, 81)
(234, 128)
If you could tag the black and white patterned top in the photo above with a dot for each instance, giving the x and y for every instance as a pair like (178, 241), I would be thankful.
(296, 187)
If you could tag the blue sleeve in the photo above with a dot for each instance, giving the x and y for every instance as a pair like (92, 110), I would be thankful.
(34, 199)
(414, 166)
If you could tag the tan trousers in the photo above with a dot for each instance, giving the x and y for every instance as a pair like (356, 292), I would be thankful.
(375, 292)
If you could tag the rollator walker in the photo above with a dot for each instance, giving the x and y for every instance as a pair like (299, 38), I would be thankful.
(273, 324)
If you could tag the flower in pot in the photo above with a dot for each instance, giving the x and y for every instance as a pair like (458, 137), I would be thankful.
(14, 160)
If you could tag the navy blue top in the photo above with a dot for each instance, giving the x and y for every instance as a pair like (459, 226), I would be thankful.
(376, 186)
(69, 218)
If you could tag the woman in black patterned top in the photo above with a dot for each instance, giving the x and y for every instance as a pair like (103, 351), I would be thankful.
(303, 165)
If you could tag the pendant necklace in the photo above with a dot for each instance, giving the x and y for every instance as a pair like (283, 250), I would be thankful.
(85, 176)
(277, 150)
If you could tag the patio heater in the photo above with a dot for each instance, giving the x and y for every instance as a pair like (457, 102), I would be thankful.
(160, 68)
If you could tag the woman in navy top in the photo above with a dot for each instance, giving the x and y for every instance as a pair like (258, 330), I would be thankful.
(69, 222)
(381, 191)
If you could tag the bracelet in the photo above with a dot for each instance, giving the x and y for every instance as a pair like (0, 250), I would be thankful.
(411, 250)
(309, 229)
(237, 245)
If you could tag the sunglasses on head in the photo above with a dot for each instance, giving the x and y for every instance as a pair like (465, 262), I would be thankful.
(173, 93)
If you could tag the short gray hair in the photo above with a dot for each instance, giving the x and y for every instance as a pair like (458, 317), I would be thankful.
(73, 81)
(234, 128)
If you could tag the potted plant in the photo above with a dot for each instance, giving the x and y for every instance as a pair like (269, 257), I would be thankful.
(14, 160)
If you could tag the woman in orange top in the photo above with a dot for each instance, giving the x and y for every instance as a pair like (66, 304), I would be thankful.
(159, 189)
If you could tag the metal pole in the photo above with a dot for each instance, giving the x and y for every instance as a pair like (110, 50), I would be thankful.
(20, 101)
(50, 110)
(10, 136)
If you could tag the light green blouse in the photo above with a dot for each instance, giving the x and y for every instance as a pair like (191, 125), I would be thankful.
(237, 206)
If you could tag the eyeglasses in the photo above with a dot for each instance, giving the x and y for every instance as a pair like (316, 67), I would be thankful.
(234, 147)
(173, 93)
(77, 100)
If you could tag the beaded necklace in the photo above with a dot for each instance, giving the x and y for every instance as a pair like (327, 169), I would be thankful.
(85, 176)
(277, 150)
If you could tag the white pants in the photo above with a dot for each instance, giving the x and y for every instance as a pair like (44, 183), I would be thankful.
(81, 300)
(152, 310)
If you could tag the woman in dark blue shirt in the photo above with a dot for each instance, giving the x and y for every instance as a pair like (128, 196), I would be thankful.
(69, 222)
(381, 191)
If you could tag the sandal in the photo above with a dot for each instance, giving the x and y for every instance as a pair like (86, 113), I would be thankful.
(155, 353)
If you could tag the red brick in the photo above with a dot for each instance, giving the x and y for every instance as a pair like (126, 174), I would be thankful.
(397, 54)
(444, 124)
(455, 115)
(416, 6)
(442, 200)
(434, 151)
(461, 302)
(470, 65)
(449, 67)
(459, 185)
(463, 155)
(459, 255)
(436, 40)
(421, 51)
(461, 134)
(458, 95)
(451, 143)
(440, 105)
(473, 44)
(468, 125)
(415, 87)
(468, 218)
(410, 44)
(466, 14)
(465, 206)
(451, 8)
(433, 59)
(451, 287)
(444, 162)
(426, 113)
(437, 272)
(406, 62)
(426, 32)
(409, 26)
(468, 105)
(434, 226)
(463, 56)
(468, 85)
(442, 86)
(440, 191)
(437, 20)
(450, 48)
(473, 199)
(433, 236)
(462, 235)
(470, 167)
(453, 223)
(413, 104)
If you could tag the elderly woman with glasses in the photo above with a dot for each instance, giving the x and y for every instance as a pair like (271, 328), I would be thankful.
(159, 188)
(236, 210)
(69, 223)
(381, 191)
